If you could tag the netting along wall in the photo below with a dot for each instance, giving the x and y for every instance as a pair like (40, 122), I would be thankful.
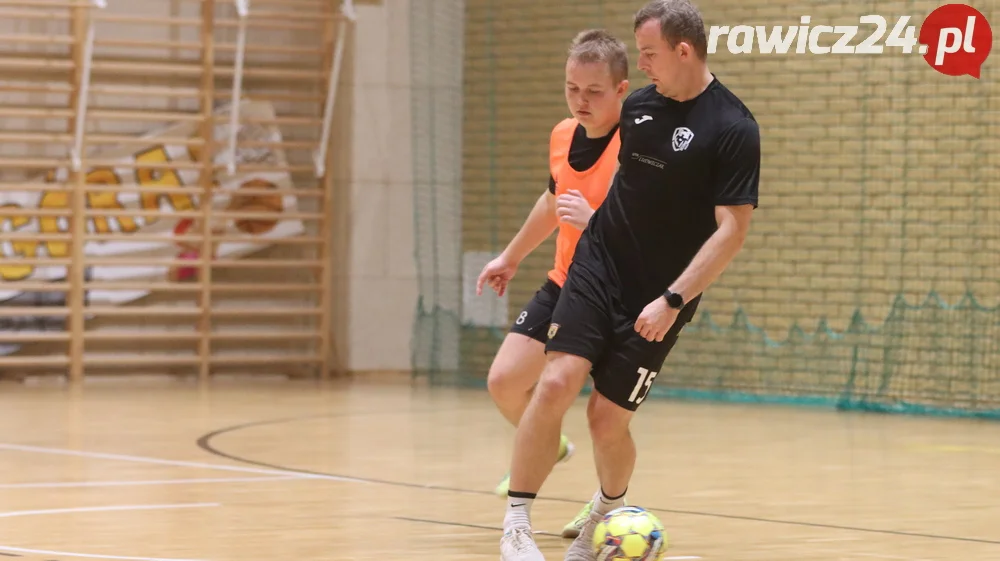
(870, 277)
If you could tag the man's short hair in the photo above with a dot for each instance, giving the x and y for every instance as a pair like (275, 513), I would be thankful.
(597, 45)
(679, 21)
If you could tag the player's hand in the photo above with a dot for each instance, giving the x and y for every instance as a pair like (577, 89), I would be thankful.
(656, 320)
(497, 274)
(572, 208)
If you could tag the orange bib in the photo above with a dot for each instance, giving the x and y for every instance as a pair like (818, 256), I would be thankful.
(592, 183)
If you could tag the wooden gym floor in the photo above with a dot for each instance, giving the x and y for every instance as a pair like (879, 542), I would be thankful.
(366, 470)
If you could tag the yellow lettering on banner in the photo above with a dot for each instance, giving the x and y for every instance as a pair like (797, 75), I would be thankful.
(159, 177)
(194, 152)
(21, 248)
(54, 200)
(51, 200)
(107, 200)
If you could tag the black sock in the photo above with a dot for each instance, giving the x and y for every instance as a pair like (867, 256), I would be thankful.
(606, 498)
(605, 504)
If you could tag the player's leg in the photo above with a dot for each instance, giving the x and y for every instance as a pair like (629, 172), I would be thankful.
(621, 383)
(580, 325)
(536, 448)
(536, 444)
(516, 369)
(518, 365)
(614, 449)
(605, 423)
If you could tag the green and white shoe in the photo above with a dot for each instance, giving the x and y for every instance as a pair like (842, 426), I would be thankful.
(573, 529)
(566, 450)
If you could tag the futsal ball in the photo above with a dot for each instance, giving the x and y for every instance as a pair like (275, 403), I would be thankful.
(630, 533)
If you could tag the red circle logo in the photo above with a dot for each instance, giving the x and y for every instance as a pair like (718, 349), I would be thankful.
(955, 40)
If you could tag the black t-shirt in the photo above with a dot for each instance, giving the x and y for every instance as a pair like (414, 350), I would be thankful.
(678, 160)
(584, 152)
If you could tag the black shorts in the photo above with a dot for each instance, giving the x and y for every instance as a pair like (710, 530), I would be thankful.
(534, 319)
(589, 321)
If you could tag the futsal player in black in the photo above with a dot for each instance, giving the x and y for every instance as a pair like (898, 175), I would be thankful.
(676, 215)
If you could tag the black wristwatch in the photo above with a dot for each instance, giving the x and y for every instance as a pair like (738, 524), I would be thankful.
(674, 300)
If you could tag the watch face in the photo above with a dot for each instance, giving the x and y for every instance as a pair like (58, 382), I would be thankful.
(675, 300)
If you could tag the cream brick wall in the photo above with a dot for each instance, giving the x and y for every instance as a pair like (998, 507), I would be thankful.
(879, 174)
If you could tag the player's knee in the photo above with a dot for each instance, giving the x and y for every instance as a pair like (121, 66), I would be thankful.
(608, 422)
(554, 388)
(516, 368)
(560, 384)
(503, 381)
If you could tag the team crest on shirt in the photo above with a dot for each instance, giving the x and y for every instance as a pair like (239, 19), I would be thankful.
(682, 138)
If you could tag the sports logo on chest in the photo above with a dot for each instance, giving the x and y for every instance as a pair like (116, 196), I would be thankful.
(664, 149)
(681, 139)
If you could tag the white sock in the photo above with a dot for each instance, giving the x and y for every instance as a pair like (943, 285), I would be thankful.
(518, 511)
(604, 504)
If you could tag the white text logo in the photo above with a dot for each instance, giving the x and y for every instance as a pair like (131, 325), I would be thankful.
(955, 39)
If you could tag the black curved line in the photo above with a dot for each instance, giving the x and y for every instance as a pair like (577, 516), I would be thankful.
(205, 443)
(466, 525)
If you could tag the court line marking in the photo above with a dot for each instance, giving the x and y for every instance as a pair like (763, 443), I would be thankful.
(148, 460)
(47, 552)
(97, 509)
(873, 555)
(952, 448)
(113, 508)
(128, 483)
(499, 529)
(205, 443)
(468, 525)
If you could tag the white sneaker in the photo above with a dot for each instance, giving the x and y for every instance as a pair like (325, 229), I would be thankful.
(582, 548)
(517, 544)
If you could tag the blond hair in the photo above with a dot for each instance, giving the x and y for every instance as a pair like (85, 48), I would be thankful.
(597, 45)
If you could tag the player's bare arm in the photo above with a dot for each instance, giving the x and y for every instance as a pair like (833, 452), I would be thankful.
(708, 264)
(539, 225)
(718, 252)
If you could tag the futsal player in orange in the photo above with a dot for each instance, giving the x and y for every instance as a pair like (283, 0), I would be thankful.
(583, 158)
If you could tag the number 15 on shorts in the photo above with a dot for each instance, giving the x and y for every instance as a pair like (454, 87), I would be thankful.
(641, 389)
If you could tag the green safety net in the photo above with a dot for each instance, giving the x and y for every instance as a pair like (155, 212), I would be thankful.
(871, 277)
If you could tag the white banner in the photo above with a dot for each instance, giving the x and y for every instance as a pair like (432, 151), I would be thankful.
(257, 232)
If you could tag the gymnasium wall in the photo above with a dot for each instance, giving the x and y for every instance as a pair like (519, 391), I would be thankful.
(870, 275)
(405, 171)
(379, 271)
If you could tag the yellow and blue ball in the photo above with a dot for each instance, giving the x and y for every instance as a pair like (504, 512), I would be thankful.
(630, 533)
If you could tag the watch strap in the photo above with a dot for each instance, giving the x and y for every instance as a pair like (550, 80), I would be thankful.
(674, 300)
